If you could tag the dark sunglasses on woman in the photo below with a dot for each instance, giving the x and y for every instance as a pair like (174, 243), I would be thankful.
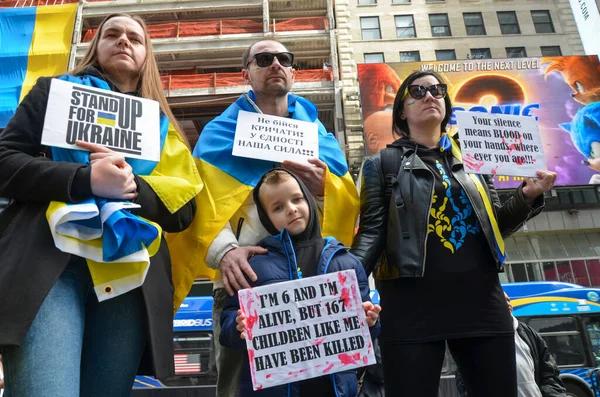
(265, 59)
(437, 91)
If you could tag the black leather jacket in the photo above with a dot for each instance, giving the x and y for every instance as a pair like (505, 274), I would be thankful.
(416, 185)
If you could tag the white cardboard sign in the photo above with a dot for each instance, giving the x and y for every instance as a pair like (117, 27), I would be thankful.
(305, 328)
(272, 138)
(123, 123)
(500, 144)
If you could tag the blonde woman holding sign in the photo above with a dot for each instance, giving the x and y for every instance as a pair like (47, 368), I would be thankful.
(441, 233)
(73, 325)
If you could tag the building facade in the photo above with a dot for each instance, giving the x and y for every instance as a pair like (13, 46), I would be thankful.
(375, 31)
(199, 47)
(563, 242)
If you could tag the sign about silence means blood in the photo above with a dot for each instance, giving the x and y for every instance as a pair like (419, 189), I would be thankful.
(499, 144)
(305, 328)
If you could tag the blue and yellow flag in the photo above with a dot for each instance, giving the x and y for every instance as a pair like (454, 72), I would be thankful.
(117, 244)
(228, 180)
(34, 42)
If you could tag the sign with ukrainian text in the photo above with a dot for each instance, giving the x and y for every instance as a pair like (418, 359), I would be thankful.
(500, 144)
(305, 328)
(264, 137)
(560, 93)
(123, 123)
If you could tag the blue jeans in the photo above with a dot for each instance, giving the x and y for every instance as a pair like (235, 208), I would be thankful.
(76, 346)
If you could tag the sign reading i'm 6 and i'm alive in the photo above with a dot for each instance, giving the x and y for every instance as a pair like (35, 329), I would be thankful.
(305, 328)
(123, 123)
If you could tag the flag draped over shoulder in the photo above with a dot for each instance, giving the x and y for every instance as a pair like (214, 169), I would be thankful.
(229, 180)
(116, 244)
(36, 42)
(447, 142)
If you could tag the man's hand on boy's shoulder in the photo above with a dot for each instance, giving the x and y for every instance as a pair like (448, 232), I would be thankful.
(234, 265)
(371, 312)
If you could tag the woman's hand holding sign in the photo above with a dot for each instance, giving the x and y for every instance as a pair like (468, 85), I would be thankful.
(111, 176)
(535, 187)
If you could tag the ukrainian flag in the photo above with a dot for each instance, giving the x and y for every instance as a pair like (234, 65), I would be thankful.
(106, 118)
(228, 181)
(34, 42)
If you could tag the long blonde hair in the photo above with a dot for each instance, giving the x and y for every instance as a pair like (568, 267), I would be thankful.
(151, 86)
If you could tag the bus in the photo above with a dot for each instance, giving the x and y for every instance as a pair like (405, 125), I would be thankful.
(194, 355)
(567, 316)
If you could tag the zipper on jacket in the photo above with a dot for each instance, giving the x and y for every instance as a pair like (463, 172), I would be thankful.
(427, 233)
(428, 215)
(239, 229)
(287, 255)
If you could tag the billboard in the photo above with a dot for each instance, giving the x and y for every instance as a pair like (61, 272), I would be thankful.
(562, 93)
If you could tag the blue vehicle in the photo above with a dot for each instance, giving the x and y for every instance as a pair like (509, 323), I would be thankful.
(567, 316)
(194, 373)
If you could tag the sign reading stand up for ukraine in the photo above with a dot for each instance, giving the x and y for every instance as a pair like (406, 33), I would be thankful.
(123, 123)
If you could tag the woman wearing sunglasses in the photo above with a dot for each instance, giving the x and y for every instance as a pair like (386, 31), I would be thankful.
(438, 232)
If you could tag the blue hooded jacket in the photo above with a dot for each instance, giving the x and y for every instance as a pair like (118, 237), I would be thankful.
(279, 265)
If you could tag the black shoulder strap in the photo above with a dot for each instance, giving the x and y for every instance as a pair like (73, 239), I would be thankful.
(391, 161)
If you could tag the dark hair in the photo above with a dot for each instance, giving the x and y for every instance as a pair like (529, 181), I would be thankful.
(246, 56)
(400, 126)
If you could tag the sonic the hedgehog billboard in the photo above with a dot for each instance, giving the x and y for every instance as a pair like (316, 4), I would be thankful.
(562, 93)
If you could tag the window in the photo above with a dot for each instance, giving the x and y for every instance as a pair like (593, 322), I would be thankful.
(551, 51)
(374, 57)
(439, 25)
(434, 1)
(553, 324)
(362, 2)
(474, 23)
(509, 24)
(592, 325)
(400, 1)
(550, 273)
(562, 337)
(480, 53)
(518, 272)
(542, 21)
(370, 28)
(405, 26)
(410, 56)
(516, 52)
(445, 55)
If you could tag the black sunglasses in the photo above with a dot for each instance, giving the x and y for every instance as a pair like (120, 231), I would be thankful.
(437, 91)
(265, 59)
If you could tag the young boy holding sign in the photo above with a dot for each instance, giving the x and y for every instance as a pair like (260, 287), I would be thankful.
(288, 211)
